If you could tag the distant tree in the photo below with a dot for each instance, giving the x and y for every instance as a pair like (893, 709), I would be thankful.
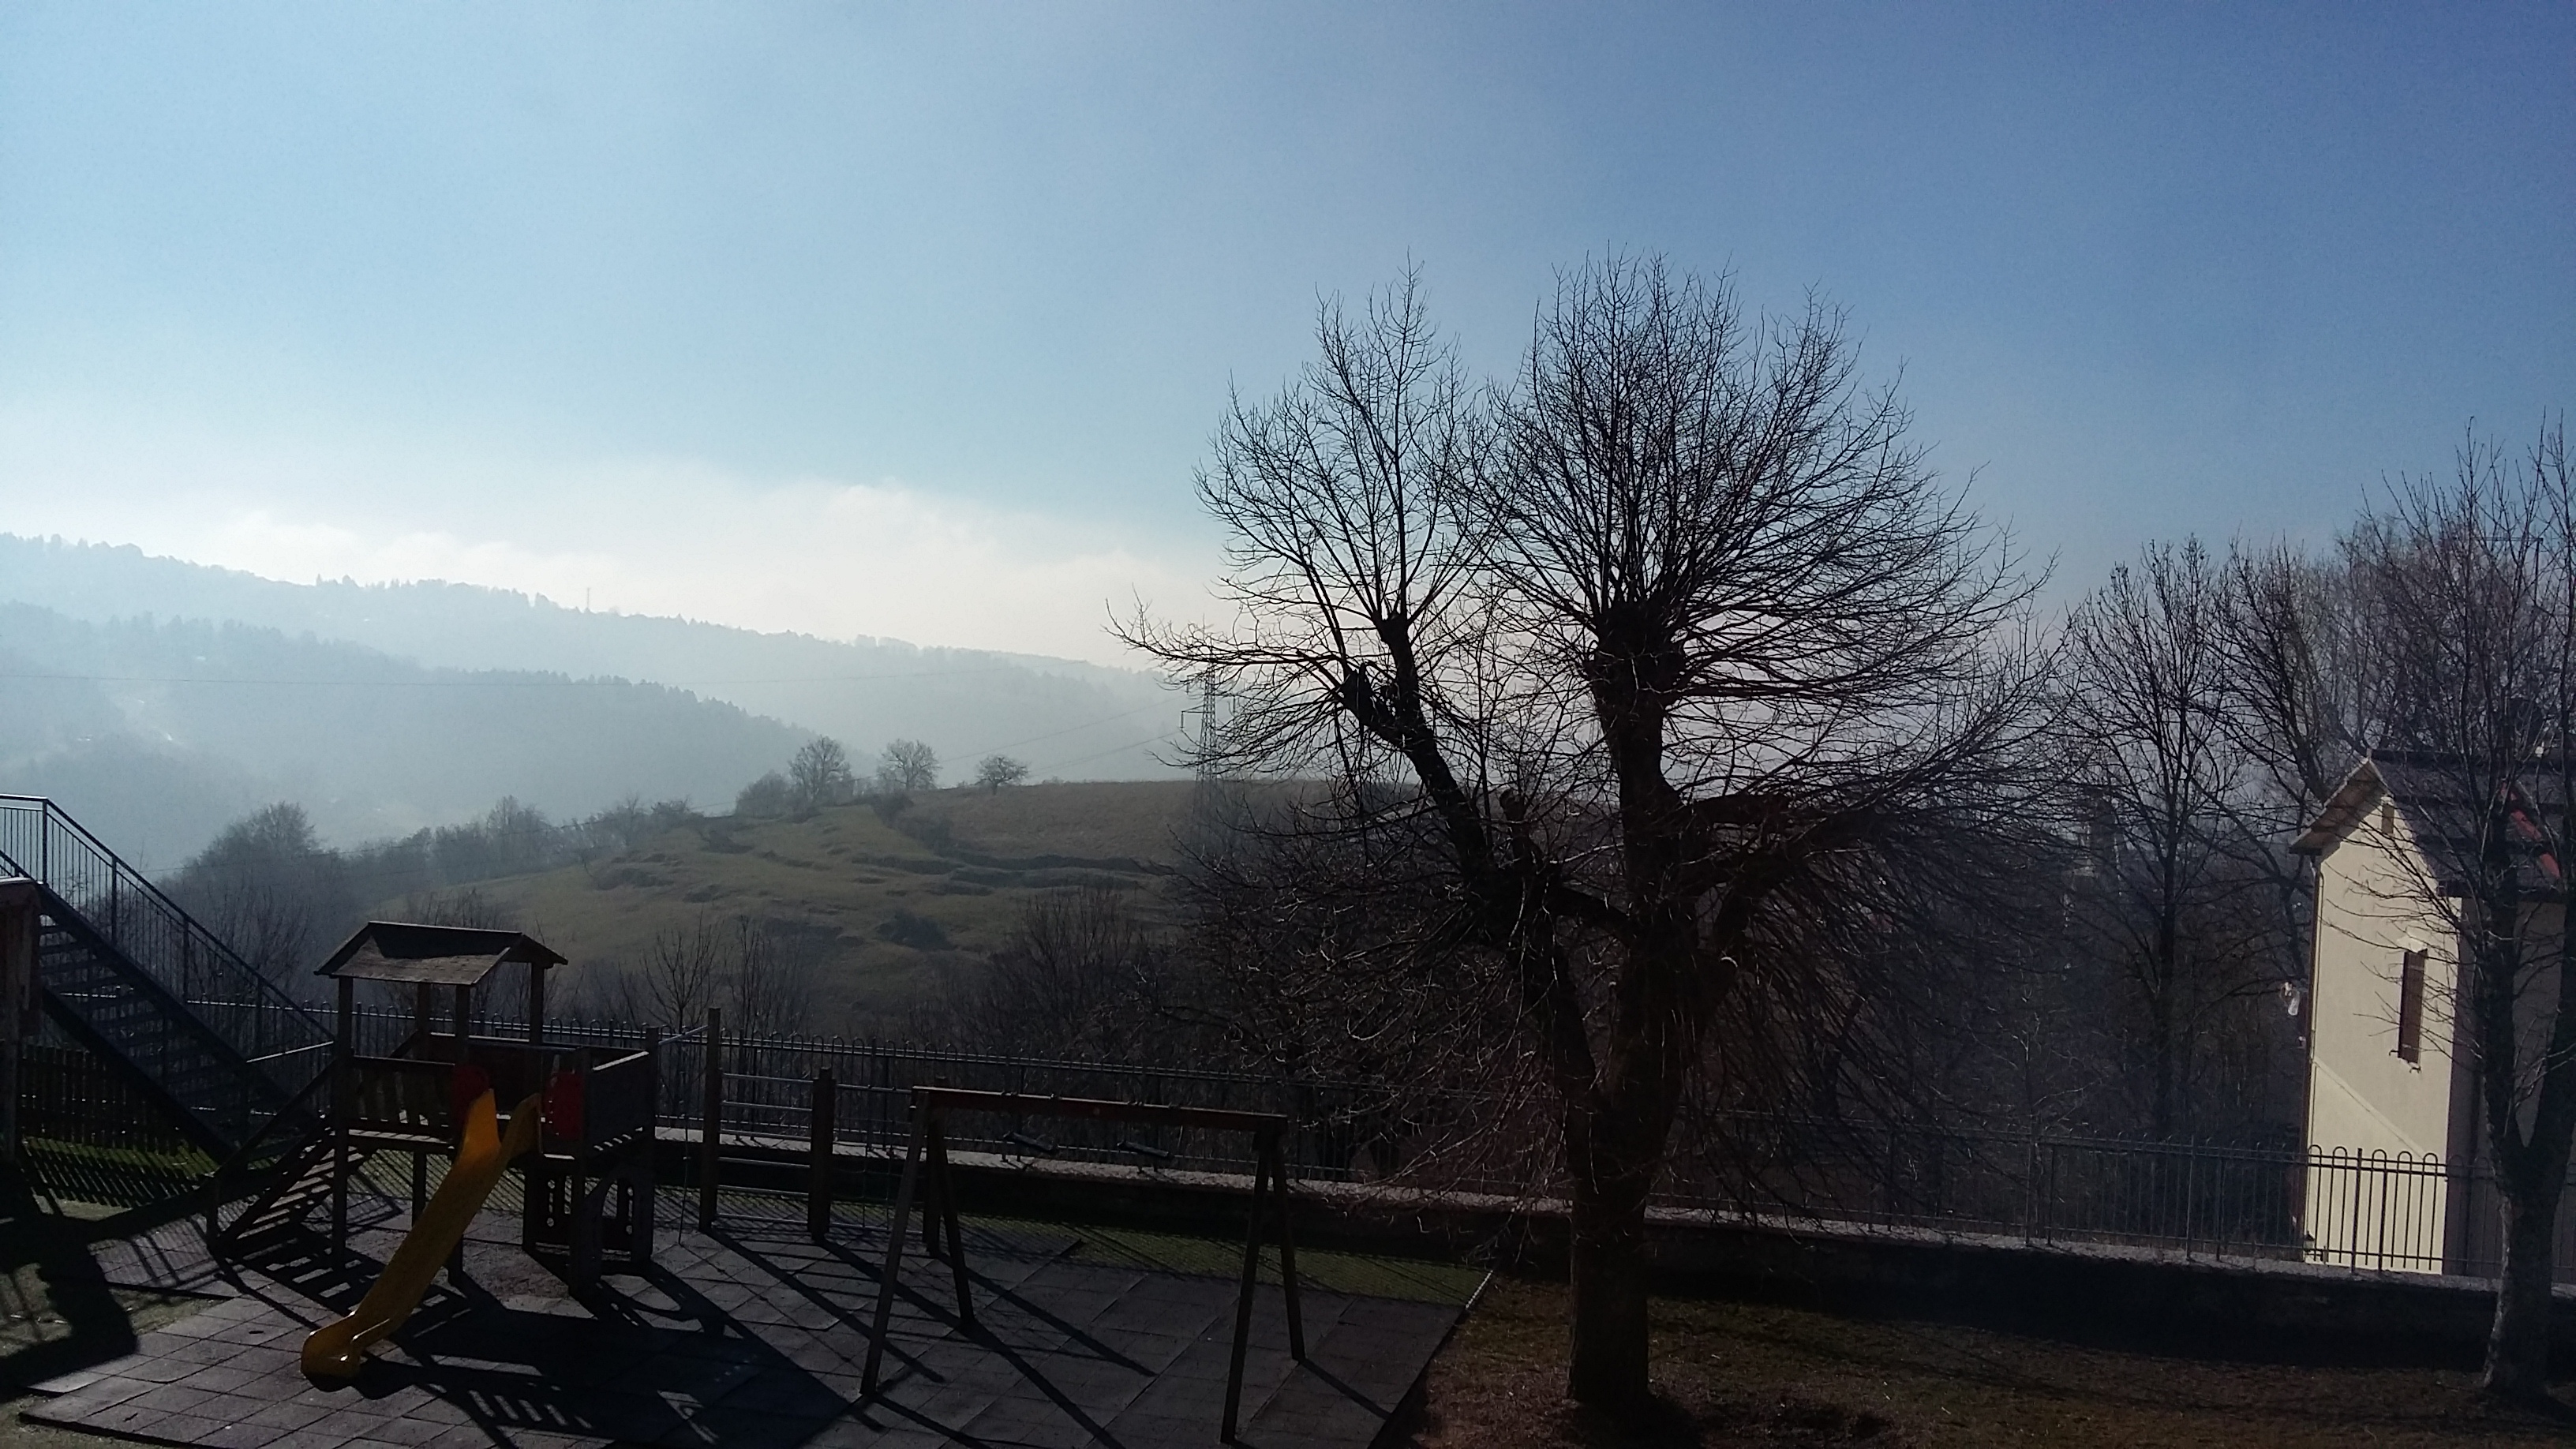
(909, 928)
(608, 988)
(997, 772)
(770, 795)
(1080, 977)
(682, 966)
(268, 888)
(771, 977)
(510, 839)
(613, 830)
(2176, 898)
(821, 774)
(467, 907)
(907, 765)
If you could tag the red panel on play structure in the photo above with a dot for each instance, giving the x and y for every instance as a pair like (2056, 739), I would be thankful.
(563, 1106)
(465, 1084)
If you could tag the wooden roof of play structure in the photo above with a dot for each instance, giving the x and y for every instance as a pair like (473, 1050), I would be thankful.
(432, 955)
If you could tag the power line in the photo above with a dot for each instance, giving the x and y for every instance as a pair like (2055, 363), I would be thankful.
(1067, 730)
(1116, 749)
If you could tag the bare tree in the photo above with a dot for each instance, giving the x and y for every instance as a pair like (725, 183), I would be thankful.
(2303, 672)
(2176, 891)
(821, 774)
(771, 977)
(1677, 646)
(906, 766)
(999, 772)
(464, 906)
(680, 970)
(610, 988)
(2474, 583)
(1080, 977)
(269, 889)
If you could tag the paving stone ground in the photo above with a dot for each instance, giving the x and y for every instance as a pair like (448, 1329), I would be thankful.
(750, 1335)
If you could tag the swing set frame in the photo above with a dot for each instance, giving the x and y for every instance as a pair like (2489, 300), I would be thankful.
(926, 1172)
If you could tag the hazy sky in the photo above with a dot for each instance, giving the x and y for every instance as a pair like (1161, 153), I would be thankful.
(913, 321)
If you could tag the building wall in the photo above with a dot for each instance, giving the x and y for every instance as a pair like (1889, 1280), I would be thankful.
(2364, 1099)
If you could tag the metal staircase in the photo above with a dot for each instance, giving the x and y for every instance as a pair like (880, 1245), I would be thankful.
(135, 979)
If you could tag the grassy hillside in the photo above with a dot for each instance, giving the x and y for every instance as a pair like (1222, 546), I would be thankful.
(889, 899)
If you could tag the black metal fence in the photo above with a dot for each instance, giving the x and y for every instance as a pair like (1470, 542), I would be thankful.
(2366, 1211)
(2369, 1211)
(768, 1096)
(2032, 1186)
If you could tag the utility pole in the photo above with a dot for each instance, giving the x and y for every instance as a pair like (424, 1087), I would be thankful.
(1203, 738)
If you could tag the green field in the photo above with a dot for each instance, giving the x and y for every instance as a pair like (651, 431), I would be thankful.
(963, 861)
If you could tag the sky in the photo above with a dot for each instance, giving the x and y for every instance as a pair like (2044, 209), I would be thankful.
(914, 321)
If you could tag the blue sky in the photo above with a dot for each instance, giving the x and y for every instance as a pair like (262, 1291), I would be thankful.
(913, 321)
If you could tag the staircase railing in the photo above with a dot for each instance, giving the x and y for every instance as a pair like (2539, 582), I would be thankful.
(264, 1024)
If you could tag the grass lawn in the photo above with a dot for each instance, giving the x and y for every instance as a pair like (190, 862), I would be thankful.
(1739, 1374)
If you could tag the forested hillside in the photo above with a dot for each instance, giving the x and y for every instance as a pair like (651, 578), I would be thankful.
(1066, 719)
(154, 733)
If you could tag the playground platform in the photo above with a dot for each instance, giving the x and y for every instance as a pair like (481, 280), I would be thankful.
(748, 1334)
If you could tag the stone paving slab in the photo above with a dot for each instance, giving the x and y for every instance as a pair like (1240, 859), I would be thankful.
(751, 1336)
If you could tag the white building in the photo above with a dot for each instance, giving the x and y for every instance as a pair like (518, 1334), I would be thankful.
(2393, 1123)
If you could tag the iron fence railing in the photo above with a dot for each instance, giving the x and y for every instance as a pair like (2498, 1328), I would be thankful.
(245, 1008)
(2041, 1187)
(2354, 1210)
(2332, 1206)
(768, 1095)
(2357, 1210)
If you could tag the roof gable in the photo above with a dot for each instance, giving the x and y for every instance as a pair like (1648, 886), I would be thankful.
(432, 955)
(2445, 821)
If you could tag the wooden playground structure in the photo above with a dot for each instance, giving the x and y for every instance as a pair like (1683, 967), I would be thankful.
(583, 1136)
(589, 1173)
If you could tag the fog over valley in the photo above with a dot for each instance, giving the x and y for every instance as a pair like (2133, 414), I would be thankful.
(158, 699)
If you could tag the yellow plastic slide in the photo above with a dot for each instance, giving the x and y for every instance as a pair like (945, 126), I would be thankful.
(335, 1350)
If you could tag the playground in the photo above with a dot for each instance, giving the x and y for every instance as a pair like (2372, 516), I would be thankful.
(430, 1215)
(748, 1333)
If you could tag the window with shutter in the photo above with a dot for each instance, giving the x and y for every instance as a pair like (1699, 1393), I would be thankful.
(2410, 1008)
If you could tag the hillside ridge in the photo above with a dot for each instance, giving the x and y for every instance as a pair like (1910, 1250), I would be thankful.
(1066, 718)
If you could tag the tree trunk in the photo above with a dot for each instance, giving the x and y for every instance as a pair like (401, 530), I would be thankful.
(2518, 1341)
(1607, 1263)
(2161, 1108)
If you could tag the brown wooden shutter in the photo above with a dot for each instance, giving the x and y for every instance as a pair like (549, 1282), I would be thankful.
(2410, 1008)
